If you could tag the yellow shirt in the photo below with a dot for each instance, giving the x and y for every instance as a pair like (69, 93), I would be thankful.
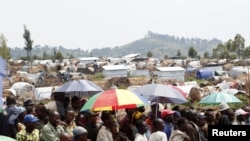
(22, 135)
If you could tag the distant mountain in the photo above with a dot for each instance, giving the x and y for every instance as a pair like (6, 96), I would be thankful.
(160, 45)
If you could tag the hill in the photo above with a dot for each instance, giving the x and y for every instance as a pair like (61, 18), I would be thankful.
(160, 45)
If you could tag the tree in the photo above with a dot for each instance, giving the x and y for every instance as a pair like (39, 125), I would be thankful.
(4, 50)
(247, 52)
(28, 42)
(179, 53)
(149, 54)
(192, 52)
(239, 44)
(59, 56)
(206, 55)
(166, 56)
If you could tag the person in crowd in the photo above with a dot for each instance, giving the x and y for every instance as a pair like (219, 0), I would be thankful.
(80, 134)
(76, 104)
(42, 114)
(158, 133)
(66, 102)
(180, 134)
(223, 115)
(142, 128)
(126, 124)
(21, 114)
(104, 133)
(29, 105)
(177, 115)
(168, 118)
(139, 114)
(52, 130)
(201, 123)
(210, 117)
(176, 108)
(240, 115)
(91, 124)
(193, 130)
(69, 122)
(116, 134)
(65, 136)
(11, 119)
(247, 109)
(154, 113)
(56, 104)
(30, 133)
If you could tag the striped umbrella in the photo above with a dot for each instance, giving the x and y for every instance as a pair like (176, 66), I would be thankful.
(114, 99)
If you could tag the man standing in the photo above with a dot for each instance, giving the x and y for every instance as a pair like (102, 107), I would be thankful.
(52, 130)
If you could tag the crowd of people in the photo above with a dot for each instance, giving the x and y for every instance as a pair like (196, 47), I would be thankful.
(62, 120)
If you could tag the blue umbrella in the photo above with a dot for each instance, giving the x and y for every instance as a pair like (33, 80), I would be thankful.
(219, 97)
(79, 88)
(161, 93)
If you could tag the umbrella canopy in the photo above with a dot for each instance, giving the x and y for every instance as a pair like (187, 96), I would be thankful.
(6, 138)
(219, 97)
(79, 88)
(161, 93)
(114, 99)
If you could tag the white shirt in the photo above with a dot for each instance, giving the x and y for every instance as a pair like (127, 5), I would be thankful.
(140, 137)
(104, 134)
(158, 136)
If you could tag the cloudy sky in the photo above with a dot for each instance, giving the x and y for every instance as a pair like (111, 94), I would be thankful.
(89, 24)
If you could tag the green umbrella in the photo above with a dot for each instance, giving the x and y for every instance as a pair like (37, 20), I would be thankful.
(6, 138)
(219, 97)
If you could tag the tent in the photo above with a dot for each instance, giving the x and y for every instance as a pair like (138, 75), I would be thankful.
(204, 74)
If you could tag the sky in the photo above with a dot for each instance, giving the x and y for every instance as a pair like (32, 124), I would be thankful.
(89, 24)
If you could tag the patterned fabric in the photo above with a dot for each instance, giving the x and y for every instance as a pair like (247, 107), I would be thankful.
(24, 136)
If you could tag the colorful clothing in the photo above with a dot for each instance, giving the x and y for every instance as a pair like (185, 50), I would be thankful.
(23, 135)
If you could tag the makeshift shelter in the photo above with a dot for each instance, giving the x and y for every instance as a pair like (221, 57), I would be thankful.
(204, 74)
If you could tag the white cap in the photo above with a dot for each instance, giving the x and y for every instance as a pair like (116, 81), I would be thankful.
(240, 112)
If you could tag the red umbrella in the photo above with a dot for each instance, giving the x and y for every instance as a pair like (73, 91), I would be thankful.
(114, 99)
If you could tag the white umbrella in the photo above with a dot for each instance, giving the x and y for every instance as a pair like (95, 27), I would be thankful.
(161, 93)
(81, 88)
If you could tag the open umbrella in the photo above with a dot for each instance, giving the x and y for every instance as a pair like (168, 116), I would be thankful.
(6, 138)
(219, 97)
(114, 99)
(79, 88)
(161, 93)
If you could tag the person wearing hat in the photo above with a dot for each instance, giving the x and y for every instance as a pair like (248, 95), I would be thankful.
(247, 109)
(201, 123)
(29, 106)
(226, 114)
(80, 134)
(30, 133)
(240, 117)
(168, 118)
(91, 124)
